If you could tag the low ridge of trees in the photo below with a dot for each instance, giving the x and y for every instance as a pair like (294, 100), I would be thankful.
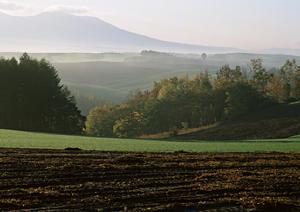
(177, 103)
(33, 98)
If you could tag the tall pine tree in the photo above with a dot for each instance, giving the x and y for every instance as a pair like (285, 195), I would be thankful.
(33, 98)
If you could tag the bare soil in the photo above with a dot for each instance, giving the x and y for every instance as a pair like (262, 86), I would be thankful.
(55, 180)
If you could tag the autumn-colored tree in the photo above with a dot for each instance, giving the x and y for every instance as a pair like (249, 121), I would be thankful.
(183, 102)
(275, 88)
(260, 76)
(99, 122)
(227, 76)
(290, 74)
(243, 98)
(129, 126)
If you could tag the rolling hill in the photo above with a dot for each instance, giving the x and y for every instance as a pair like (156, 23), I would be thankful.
(111, 77)
(139, 72)
(279, 121)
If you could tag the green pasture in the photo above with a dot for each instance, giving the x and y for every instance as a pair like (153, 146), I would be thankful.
(19, 139)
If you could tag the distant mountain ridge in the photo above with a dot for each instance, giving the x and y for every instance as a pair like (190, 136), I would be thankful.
(281, 51)
(61, 32)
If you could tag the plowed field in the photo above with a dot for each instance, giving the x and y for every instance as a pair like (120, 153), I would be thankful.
(90, 180)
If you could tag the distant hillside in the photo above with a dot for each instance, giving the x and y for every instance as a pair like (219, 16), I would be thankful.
(280, 121)
(112, 77)
(60, 32)
(140, 71)
(281, 51)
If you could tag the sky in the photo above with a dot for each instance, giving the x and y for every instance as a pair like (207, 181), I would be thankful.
(246, 24)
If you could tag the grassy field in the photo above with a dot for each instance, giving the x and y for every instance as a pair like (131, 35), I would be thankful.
(18, 139)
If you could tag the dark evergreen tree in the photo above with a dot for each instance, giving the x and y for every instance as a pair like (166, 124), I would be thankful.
(33, 98)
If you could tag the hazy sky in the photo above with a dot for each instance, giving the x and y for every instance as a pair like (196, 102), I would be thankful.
(249, 24)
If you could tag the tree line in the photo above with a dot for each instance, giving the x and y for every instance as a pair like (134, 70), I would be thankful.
(33, 98)
(177, 103)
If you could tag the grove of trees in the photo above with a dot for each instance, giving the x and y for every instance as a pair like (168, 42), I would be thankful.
(32, 98)
(177, 103)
